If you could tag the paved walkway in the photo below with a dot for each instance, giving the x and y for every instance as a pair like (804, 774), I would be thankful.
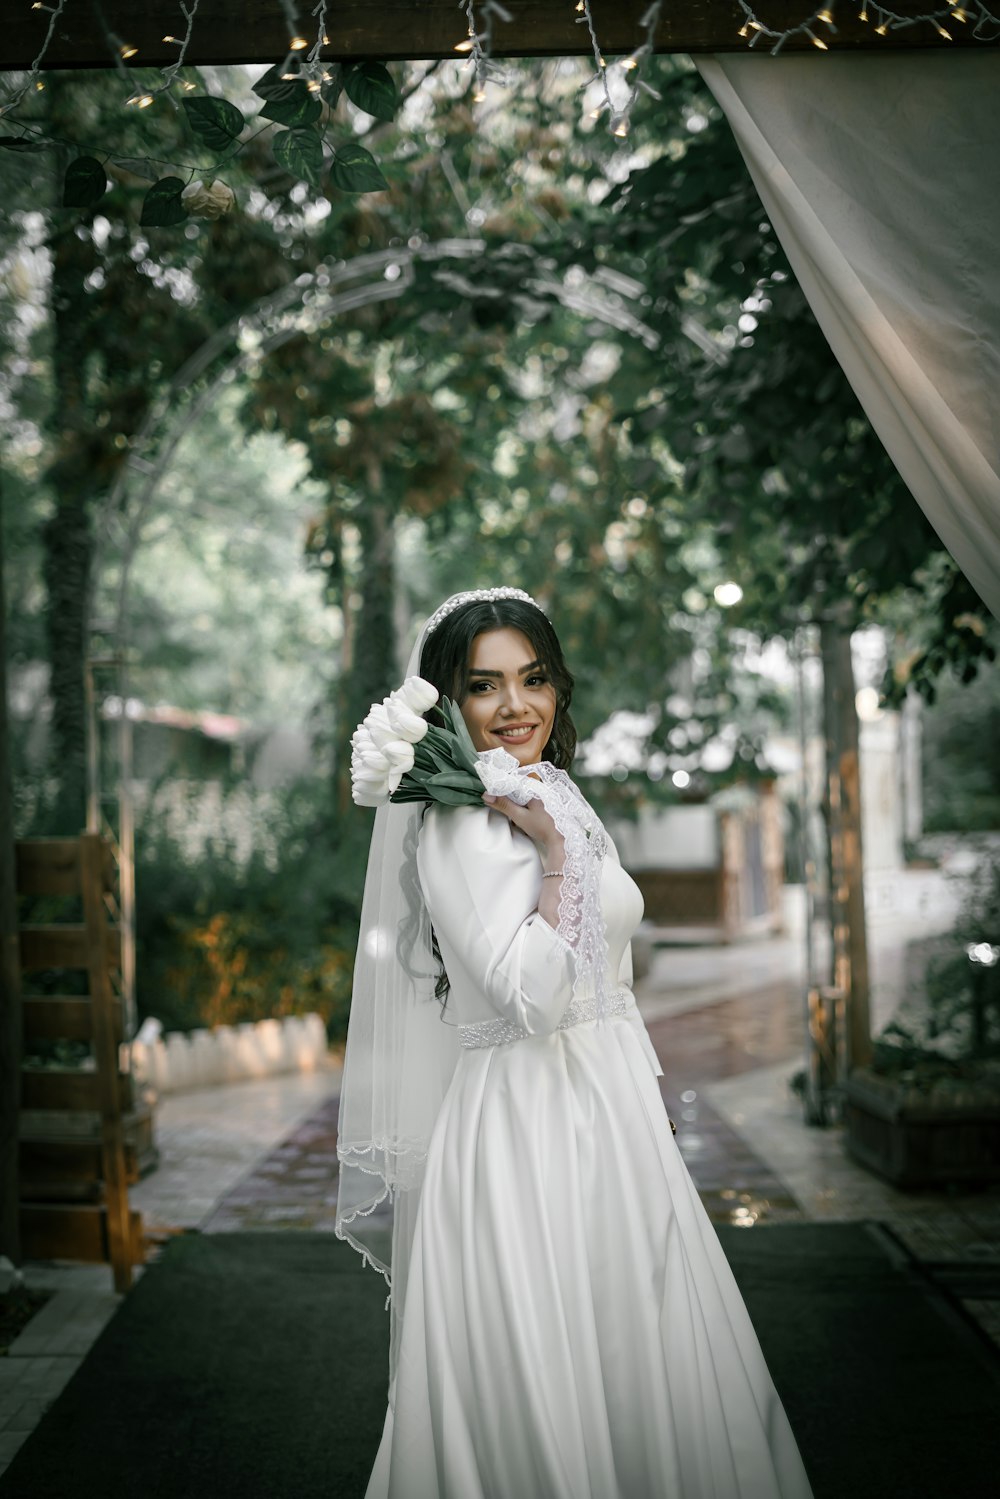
(728, 1027)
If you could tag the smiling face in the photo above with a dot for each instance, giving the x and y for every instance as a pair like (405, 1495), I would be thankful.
(509, 699)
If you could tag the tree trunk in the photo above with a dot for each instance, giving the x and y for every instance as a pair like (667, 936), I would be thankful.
(68, 544)
(847, 895)
(368, 665)
(375, 647)
(67, 580)
(10, 985)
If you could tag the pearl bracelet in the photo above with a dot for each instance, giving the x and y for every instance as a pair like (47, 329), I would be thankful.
(552, 874)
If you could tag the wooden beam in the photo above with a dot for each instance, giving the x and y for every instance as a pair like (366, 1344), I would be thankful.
(255, 31)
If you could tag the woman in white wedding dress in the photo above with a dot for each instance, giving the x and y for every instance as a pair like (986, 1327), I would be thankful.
(565, 1324)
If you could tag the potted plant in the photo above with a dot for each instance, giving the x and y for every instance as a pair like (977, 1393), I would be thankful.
(926, 1112)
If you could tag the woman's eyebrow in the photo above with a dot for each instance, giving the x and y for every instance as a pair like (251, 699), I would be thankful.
(481, 671)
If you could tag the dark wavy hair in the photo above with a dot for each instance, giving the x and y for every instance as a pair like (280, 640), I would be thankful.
(444, 662)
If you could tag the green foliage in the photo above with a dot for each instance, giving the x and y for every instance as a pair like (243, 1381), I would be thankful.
(162, 206)
(473, 432)
(300, 152)
(299, 108)
(276, 88)
(943, 633)
(370, 87)
(221, 941)
(215, 121)
(85, 183)
(961, 770)
(145, 145)
(355, 170)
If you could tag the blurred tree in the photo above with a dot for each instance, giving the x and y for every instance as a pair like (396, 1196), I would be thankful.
(118, 321)
(10, 983)
(961, 772)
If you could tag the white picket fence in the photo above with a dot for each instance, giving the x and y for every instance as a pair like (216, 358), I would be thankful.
(180, 1060)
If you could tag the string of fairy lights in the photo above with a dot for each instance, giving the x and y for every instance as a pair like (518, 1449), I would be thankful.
(303, 61)
(985, 23)
(980, 17)
(304, 58)
(479, 43)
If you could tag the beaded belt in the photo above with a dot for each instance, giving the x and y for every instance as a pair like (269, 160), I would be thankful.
(500, 1031)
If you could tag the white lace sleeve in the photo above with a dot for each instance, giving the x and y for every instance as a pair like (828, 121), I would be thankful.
(581, 921)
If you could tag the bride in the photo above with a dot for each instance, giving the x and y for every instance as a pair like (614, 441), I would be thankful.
(564, 1322)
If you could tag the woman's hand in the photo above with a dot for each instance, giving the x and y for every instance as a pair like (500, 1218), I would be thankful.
(536, 822)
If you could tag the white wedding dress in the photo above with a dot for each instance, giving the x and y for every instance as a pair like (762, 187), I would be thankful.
(571, 1328)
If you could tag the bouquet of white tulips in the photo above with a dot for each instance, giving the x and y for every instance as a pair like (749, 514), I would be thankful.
(397, 755)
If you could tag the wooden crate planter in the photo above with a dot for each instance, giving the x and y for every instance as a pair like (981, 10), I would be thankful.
(915, 1144)
(60, 1159)
(83, 1136)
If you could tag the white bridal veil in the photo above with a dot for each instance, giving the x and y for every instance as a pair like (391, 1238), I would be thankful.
(401, 1053)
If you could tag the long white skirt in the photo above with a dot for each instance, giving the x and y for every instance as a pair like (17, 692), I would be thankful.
(572, 1329)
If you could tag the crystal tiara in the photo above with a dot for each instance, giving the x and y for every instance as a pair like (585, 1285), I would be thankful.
(477, 596)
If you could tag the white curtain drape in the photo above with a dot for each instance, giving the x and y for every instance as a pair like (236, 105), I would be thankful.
(881, 177)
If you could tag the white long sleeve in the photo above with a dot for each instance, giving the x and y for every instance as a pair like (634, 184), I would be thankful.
(481, 878)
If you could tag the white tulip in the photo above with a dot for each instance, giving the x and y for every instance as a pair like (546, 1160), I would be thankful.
(367, 796)
(417, 694)
(370, 762)
(370, 774)
(400, 753)
(380, 730)
(406, 723)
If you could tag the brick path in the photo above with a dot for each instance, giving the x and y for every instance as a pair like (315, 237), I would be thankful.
(295, 1186)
